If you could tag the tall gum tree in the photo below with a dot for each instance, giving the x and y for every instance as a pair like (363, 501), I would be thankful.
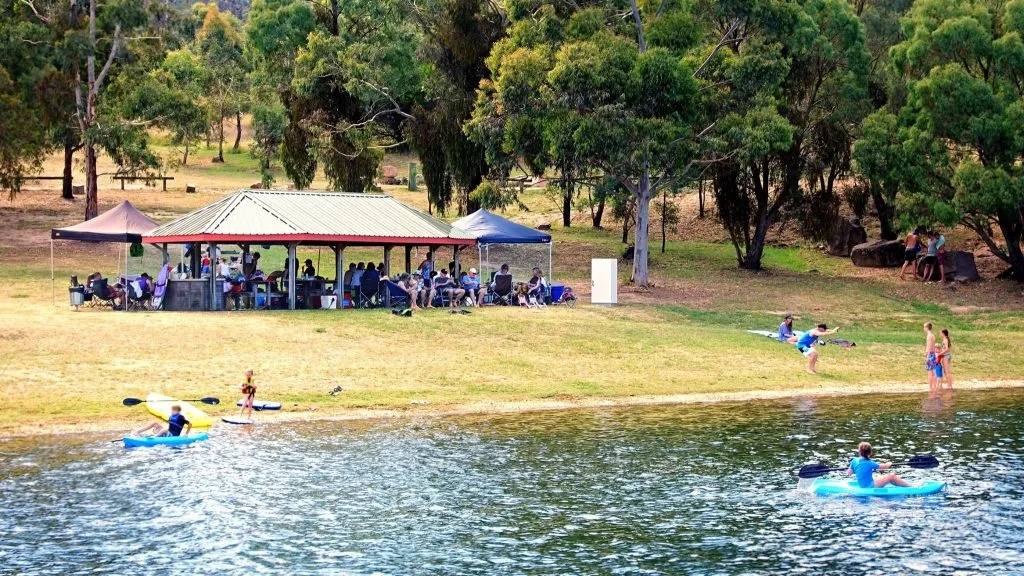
(961, 127)
(615, 86)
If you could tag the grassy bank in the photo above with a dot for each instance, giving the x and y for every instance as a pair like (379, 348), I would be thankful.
(60, 369)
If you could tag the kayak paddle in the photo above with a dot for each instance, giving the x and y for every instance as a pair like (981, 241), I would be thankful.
(920, 461)
(136, 401)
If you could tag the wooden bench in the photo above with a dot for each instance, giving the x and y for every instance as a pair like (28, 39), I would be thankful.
(144, 178)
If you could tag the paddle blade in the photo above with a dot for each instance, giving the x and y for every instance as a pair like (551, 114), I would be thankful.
(210, 400)
(132, 401)
(923, 461)
(814, 471)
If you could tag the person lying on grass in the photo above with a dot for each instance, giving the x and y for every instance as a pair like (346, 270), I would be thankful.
(175, 423)
(864, 468)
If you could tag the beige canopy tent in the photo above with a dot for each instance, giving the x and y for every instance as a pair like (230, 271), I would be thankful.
(122, 224)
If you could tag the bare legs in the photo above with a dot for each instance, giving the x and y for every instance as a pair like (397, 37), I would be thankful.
(812, 361)
(158, 428)
(890, 479)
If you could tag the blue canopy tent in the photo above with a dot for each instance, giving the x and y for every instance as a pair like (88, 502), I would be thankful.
(501, 241)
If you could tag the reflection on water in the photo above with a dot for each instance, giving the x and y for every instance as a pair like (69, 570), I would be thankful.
(679, 489)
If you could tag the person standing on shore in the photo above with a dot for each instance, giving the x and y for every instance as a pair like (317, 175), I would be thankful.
(943, 357)
(910, 250)
(930, 358)
(806, 345)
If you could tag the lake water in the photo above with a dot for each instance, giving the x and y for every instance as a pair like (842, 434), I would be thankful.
(697, 489)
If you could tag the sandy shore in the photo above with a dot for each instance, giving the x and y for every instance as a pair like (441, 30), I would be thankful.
(418, 409)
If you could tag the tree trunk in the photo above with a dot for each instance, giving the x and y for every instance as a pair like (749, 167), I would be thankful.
(641, 234)
(220, 138)
(598, 214)
(238, 131)
(884, 213)
(567, 193)
(184, 157)
(91, 189)
(664, 215)
(752, 260)
(67, 184)
(1012, 229)
(700, 199)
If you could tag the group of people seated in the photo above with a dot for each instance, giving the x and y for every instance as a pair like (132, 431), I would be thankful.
(139, 291)
(426, 287)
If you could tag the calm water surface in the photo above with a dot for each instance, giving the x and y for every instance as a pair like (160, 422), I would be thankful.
(662, 490)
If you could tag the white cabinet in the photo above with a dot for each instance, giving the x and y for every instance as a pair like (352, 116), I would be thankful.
(604, 281)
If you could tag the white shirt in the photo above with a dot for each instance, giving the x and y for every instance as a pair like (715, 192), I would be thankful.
(223, 270)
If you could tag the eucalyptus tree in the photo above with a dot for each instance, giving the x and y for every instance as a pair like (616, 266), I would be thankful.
(962, 127)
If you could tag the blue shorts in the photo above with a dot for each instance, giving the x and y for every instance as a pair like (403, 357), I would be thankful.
(805, 350)
(930, 362)
(938, 369)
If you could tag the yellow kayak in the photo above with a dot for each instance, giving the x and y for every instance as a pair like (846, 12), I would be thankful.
(160, 406)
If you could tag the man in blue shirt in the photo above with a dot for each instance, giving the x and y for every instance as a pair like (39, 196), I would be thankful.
(786, 330)
(806, 344)
(175, 423)
(863, 467)
(471, 284)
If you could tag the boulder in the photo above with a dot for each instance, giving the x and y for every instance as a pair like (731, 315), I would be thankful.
(847, 233)
(256, 186)
(960, 266)
(544, 226)
(78, 190)
(878, 254)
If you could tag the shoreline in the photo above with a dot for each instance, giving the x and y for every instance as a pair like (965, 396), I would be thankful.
(524, 406)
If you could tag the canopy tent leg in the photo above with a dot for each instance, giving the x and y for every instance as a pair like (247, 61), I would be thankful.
(53, 289)
(339, 275)
(484, 279)
(551, 275)
(126, 287)
(291, 276)
(408, 259)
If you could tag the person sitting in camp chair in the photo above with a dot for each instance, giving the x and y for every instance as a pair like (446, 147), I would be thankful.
(444, 287)
(502, 286)
(472, 287)
(537, 288)
(410, 287)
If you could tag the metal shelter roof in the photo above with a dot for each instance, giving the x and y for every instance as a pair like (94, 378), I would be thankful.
(309, 217)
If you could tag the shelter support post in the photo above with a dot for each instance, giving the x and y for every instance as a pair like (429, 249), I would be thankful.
(455, 259)
(408, 259)
(291, 276)
(387, 274)
(166, 258)
(339, 274)
(246, 261)
(430, 257)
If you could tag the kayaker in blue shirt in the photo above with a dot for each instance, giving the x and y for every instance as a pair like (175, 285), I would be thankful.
(175, 423)
(786, 330)
(863, 467)
(806, 344)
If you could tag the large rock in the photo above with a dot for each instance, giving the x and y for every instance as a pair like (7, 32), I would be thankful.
(878, 254)
(846, 234)
(960, 266)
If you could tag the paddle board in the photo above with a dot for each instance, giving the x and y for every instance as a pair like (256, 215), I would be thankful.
(160, 406)
(825, 487)
(237, 420)
(261, 404)
(137, 441)
(765, 333)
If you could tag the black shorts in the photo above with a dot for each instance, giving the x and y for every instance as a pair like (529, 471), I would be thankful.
(909, 255)
(930, 261)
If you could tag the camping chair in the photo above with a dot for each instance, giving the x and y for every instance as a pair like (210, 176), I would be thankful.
(137, 299)
(503, 289)
(369, 289)
(102, 295)
(398, 296)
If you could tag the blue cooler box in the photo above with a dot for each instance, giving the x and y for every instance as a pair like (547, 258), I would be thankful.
(556, 292)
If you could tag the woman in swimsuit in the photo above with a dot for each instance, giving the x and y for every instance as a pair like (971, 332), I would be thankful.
(944, 357)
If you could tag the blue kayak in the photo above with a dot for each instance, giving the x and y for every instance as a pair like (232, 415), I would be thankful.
(825, 487)
(136, 441)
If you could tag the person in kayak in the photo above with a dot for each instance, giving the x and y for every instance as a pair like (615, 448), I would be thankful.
(175, 423)
(248, 387)
(805, 344)
(863, 467)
